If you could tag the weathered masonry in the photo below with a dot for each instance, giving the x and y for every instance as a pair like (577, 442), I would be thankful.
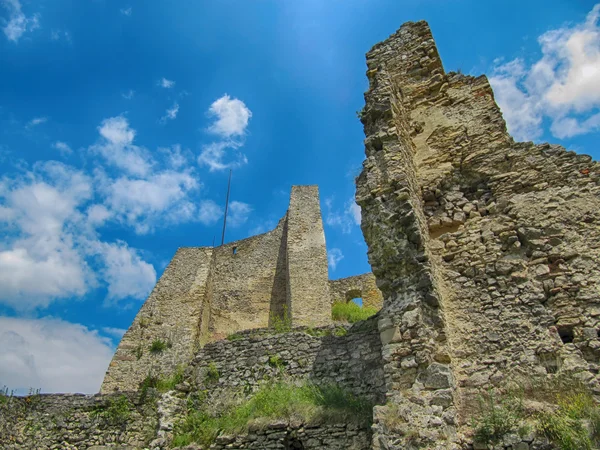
(208, 293)
(486, 249)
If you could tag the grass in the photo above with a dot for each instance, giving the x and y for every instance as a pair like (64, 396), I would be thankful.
(161, 384)
(351, 312)
(158, 346)
(569, 415)
(277, 401)
(499, 416)
(316, 332)
(574, 425)
(212, 373)
(281, 324)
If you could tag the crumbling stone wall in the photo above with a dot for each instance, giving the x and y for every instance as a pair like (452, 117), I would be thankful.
(208, 293)
(171, 314)
(485, 249)
(351, 360)
(67, 421)
(359, 286)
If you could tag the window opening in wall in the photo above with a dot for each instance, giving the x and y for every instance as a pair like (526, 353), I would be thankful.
(234, 250)
(358, 301)
(566, 334)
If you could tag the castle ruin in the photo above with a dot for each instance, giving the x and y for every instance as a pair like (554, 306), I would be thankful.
(485, 250)
(208, 293)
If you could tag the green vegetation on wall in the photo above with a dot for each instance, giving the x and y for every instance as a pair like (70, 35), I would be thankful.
(351, 312)
(306, 403)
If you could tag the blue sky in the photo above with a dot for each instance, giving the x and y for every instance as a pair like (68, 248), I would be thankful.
(119, 121)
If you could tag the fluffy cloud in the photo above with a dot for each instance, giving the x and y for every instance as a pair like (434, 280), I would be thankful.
(238, 213)
(62, 147)
(143, 202)
(231, 117)
(167, 84)
(209, 212)
(125, 272)
(52, 355)
(334, 256)
(37, 121)
(127, 12)
(116, 146)
(213, 155)
(345, 219)
(563, 85)
(18, 23)
(171, 113)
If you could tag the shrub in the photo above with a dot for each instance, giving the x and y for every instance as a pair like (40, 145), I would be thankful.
(278, 401)
(575, 424)
(497, 417)
(276, 362)
(158, 346)
(212, 373)
(281, 324)
(351, 312)
(161, 384)
(115, 412)
(234, 337)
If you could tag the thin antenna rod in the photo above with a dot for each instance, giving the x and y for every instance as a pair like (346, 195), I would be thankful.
(226, 206)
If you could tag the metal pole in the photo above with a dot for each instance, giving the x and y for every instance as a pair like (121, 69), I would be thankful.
(226, 206)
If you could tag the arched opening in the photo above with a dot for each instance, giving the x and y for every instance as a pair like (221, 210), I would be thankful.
(354, 295)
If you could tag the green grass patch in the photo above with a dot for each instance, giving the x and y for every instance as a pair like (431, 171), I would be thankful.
(212, 373)
(351, 312)
(234, 337)
(278, 401)
(561, 408)
(574, 425)
(161, 384)
(116, 411)
(158, 346)
(281, 323)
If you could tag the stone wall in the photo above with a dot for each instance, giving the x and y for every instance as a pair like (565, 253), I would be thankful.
(283, 436)
(63, 421)
(246, 288)
(207, 293)
(308, 279)
(171, 314)
(359, 286)
(352, 360)
(485, 249)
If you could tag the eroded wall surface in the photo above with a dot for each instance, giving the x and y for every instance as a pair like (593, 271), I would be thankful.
(308, 276)
(486, 250)
(248, 283)
(171, 315)
(205, 294)
(359, 286)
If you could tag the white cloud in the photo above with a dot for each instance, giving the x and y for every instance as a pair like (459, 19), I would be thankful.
(125, 272)
(209, 212)
(171, 113)
(161, 198)
(334, 256)
(37, 121)
(167, 84)
(176, 157)
(563, 85)
(129, 94)
(116, 146)
(238, 213)
(52, 355)
(57, 35)
(18, 23)
(213, 156)
(231, 117)
(62, 147)
(114, 332)
(231, 120)
(126, 11)
(49, 240)
(344, 219)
